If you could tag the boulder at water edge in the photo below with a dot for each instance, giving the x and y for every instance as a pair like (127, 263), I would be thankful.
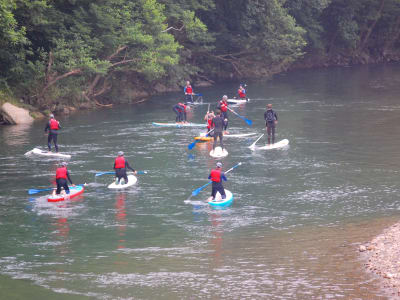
(15, 115)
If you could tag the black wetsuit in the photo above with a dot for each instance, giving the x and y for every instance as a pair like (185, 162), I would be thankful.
(219, 124)
(63, 183)
(121, 172)
(270, 117)
(177, 109)
(53, 133)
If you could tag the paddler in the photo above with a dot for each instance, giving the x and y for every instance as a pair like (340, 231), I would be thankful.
(242, 92)
(271, 119)
(188, 90)
(208, 117)
(62, 175)
(120, 166)
(218, 123)
(216, 177)
(52, 126)
(223, 106)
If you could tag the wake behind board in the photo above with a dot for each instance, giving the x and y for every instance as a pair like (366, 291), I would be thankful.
(37, 151)
(219, 203)
(73, 192)
(176, 125)
(122, 185)
(218, 152)
(277, 145)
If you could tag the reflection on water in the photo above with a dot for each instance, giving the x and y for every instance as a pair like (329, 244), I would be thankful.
(16, 135)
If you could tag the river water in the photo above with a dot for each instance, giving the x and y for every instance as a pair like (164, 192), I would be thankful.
(292, 232)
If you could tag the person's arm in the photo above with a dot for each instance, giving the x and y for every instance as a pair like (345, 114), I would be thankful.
(114, 166)
(69, 178)
(276, 116)
(209, 176)
(129, 167)
(184, 90)
(265, 116)
(223, 177)
(59, 126)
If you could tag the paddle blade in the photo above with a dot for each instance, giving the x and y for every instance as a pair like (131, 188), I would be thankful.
(103, 173)
(191, 146)
(196, 192)
(141, 172)
(35, 191)
(250, 122)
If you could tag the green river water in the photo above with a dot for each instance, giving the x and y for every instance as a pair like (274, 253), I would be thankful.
(292, 232)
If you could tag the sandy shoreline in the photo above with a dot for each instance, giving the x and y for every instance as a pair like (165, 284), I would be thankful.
(382, 257)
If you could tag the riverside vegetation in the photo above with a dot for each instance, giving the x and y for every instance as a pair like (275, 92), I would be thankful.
(82, 52)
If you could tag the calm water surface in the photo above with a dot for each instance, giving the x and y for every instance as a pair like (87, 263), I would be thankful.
(292, 232)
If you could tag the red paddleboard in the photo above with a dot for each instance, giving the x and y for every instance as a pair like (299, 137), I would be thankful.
(73, 192)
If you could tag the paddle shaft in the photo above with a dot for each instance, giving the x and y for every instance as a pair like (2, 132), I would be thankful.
(254, 144)
(249, 122)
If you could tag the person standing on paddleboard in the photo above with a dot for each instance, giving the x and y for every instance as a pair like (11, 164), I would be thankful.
(223, 106)
(242, 92)
(52, 126)
(218, 123)
(271, 119)
(216, 177)
(188, 90)
(120, 166)
(62, 175)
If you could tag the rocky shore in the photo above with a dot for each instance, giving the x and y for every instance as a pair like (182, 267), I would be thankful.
(382, 257)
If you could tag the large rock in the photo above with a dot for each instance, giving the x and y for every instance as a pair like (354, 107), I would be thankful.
(15, 115)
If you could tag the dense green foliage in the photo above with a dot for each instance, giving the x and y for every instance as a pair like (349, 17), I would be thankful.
(85, 50)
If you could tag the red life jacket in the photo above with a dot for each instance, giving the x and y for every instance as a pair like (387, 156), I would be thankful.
(61, 173)
(216, 175)
(54, 124)
(241, 93)
(224, 106)
(189, 89)
(209, 124)
(120, 162)
(182, 105)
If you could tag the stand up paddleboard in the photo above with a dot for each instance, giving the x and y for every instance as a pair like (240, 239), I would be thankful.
(218, 152)
(277, 145)
(219, 203)
(37, 151)
(73, 192)
(238, 101)
(176, 125)
(203, 138)
(122, 185)
(239, 135)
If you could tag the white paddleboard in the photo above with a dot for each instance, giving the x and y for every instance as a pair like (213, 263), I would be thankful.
(239, 135)
(176, 125)
(237, 101)
(37, 151)
(218, 152)
(131, 181)
(277, 145)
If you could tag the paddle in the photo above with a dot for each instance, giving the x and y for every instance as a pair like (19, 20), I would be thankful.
(249, 122)
(191, 146)
(35, 191)
(198, 190)
(252, 146)
(200, 95)
(109, 173)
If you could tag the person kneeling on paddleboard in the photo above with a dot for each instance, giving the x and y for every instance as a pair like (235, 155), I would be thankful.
(216, 177)
(52, 126)
(120, 166)
(242, 92)
(218, 124)
(271, 119)
(62, 175)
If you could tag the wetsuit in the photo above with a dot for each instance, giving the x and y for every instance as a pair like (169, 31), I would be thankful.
(188, 93)
(218, 123)
(223, 106)
(120, 166)
(270, 117)
(177, 109)
(62, 175)
(183, 112)
(52, 126)
(216, 177)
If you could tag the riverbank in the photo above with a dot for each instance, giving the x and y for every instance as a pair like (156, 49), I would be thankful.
(382, 257)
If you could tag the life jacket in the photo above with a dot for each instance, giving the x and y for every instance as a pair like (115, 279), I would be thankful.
(189, 89)
(209, 124)
(242, 93)
(183, 107)
(223, 106)
(270, 116)
(120, 162)
(215, 175)
(54, 124)
(61, 173)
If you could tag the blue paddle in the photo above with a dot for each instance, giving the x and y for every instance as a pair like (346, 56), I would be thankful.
(198, 190)
(109, 173)
(191, 146)
(35, 191)
(249, 122)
